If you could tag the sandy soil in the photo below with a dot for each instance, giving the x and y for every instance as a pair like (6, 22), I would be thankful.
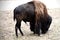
(7, 30)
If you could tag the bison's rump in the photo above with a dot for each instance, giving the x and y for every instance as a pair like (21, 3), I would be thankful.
(24, 12)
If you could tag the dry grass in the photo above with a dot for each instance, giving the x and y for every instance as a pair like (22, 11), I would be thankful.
(7, 31)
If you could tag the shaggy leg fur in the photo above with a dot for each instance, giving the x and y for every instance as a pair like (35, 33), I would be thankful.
(37, 28)
(32, 26)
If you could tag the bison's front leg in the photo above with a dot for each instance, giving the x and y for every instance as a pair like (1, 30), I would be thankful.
(37, 28)
(32, 26)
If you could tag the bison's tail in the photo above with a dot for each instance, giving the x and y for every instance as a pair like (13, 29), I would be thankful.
(14, 15)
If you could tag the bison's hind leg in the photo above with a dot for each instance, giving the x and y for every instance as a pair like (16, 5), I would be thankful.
(18, 26)
(16, 30)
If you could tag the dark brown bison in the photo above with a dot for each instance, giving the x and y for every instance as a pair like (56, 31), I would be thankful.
(42, 19)
(27, 13)
(24, 12)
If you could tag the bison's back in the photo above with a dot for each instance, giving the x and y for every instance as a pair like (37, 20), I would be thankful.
(24, 12)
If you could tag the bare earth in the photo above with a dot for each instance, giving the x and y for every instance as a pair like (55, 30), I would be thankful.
(7, 29)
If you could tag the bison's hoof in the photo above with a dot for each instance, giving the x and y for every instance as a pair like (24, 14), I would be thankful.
(39, 34)
(43, 32)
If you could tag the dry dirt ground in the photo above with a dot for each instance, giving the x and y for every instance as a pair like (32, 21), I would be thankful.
(7, 30)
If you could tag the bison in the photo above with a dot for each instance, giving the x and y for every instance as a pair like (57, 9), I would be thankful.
(42, 18)
(26, 12)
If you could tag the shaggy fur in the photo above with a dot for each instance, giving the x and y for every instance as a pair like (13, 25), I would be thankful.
(40, 13)
(29, 13)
